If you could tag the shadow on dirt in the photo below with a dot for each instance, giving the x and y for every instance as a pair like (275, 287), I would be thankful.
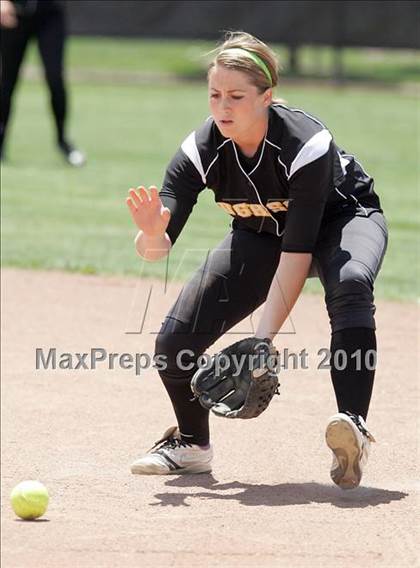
(278, 495)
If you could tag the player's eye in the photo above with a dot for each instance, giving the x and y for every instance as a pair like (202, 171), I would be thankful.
(214, 96)
(237, 97)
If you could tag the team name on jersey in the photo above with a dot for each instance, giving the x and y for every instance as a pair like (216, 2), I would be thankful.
(254, 209)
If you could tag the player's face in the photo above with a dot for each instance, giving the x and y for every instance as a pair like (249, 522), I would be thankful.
(238, 108)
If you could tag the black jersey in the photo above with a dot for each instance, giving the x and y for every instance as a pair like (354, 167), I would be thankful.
(297, 179)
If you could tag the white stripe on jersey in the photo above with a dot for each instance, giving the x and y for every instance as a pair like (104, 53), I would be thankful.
(279, 159)
(256, 190)
(217, 156)
(339, 193)
(359, 164)
(189, 147)
(344, 163)
(260, 158)
(301, 111)
(314, 148)
(274, 145)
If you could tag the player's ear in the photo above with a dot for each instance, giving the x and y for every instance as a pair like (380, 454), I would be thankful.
(268, 97)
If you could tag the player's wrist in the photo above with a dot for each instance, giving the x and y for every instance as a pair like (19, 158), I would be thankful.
(265, 336)
(152, 238)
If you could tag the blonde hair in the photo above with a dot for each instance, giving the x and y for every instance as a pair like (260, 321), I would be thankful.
(231, 58)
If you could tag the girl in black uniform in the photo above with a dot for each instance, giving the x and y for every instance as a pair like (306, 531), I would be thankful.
(300, 205)
(44, 19)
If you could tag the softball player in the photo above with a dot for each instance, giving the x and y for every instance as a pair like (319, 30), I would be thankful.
(299, 206)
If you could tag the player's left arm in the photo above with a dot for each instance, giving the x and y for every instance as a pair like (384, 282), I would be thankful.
(285, 289)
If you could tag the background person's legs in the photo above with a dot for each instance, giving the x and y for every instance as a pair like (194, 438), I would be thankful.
(230, 285)
(51, 35)
(13, 45)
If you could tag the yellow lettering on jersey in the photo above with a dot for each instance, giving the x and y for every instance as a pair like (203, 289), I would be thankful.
(242, 209)
(256, 209)
(259, 210)
(276, 206)
(226, 207)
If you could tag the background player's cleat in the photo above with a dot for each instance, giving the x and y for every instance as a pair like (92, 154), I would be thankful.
(72, 155)
(349, 440)
(173, 455)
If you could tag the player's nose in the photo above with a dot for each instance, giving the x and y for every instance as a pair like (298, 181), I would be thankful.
(225, 103)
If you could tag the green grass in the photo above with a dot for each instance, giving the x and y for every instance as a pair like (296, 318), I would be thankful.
(56, 217)
(187, 58)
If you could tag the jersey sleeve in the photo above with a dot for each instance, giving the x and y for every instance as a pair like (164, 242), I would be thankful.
(181, 185)
(311, 179)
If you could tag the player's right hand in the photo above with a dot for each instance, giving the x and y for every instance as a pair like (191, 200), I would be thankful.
(8, 17)
(148, 212)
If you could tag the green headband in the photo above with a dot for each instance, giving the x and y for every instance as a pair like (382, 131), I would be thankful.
(255, 58)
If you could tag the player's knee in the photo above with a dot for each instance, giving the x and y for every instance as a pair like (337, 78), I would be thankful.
(350, 303)
(176, 349)
(165, 346)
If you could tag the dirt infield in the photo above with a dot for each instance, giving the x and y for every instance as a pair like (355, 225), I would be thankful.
(269, 500)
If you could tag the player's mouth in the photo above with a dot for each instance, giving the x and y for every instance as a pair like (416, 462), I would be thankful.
(226, 122)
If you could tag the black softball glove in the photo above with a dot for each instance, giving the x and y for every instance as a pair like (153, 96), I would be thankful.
(240, 381)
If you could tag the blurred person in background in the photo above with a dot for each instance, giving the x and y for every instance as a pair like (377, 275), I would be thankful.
(22, 20)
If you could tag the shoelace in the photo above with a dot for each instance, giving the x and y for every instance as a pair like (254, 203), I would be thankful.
(171, 444)
(356, 420)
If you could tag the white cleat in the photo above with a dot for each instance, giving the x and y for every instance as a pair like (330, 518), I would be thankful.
(349, 439)
(76, 158)
(172, 455)
(72, 155)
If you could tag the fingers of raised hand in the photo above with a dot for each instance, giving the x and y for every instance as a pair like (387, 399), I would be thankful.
(143, 194)
(154, 194)
(134, 196)
(131, 205)
(146, 195)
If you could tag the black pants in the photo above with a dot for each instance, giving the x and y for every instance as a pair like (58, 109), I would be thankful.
(234, 281)
(48, 26)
